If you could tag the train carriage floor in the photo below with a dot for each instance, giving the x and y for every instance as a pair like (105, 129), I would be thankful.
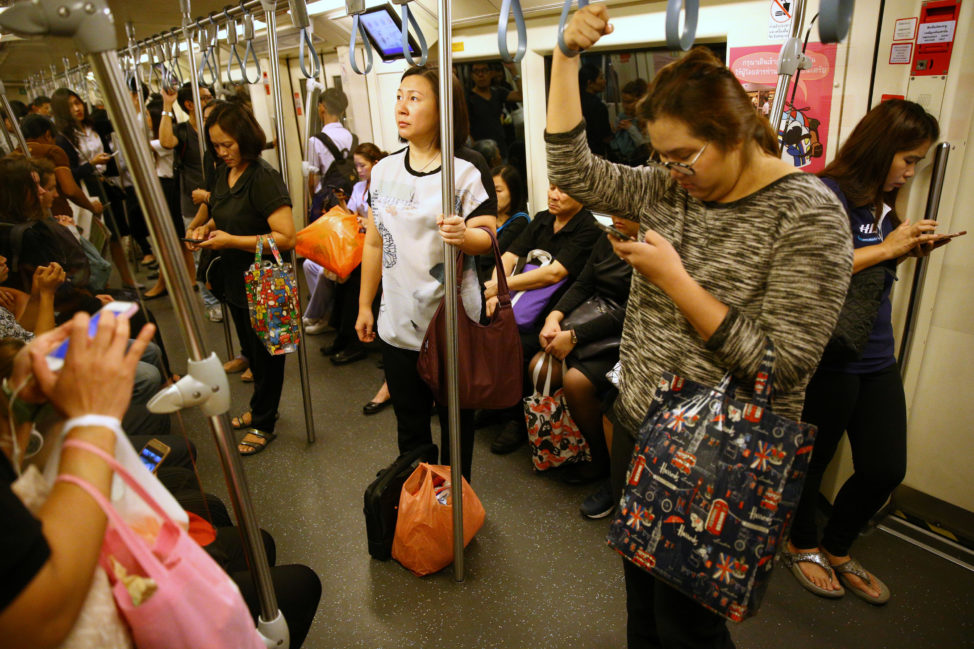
(538, 575)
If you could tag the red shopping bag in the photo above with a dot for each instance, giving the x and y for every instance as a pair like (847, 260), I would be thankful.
(334, 241)
(424, 530)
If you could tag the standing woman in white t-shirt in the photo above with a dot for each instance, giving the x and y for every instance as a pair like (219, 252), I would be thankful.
(404, 249)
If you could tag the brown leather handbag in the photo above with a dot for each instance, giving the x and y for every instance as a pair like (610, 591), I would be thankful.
(490, 357)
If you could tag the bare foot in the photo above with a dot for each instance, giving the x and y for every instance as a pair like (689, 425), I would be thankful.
(813, 572)
(853, 581)
(382, 395)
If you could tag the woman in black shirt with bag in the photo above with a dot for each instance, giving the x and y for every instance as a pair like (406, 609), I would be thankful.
(248, 200)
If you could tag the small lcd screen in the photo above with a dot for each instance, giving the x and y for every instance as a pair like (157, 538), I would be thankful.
(150, 458)
(384, 29)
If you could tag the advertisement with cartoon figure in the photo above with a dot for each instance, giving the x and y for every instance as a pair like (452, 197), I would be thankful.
(804, 129)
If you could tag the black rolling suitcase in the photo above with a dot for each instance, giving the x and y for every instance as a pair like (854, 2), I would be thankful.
(382, 499)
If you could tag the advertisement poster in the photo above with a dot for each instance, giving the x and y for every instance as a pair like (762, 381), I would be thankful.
(804, 129)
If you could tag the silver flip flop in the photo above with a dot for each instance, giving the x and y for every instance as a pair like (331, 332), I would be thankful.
(792, 559)
(853, 567)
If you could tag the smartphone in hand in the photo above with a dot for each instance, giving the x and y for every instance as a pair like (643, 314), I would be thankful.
(55, 359)
(153, 453)
(604, 223)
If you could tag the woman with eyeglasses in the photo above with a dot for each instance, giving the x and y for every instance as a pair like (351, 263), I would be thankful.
(736, 250)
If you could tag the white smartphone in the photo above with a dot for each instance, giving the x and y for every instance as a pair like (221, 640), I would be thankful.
(55, 359)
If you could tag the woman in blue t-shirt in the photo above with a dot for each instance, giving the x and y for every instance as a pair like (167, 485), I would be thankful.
(863, 395)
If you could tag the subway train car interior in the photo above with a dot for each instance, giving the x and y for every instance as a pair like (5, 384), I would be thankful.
(683, 314)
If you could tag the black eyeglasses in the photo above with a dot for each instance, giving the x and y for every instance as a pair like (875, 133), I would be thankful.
(685, 168)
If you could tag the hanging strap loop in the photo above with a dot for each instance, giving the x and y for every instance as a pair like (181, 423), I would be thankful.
(355, 9)
(408, 19)
(249, 53)
(507, 6)
(674, 39)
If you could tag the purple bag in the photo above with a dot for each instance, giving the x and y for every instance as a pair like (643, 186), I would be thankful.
(529, 305)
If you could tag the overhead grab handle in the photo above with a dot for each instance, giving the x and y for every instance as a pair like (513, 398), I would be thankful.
(207, 42)
(249, 53)
(834, 18)
(507, 6)
(172, 52)
(234, 55)
(674, 39)
(408, 19)
(299, 16)
(567, 51)
(355, 9)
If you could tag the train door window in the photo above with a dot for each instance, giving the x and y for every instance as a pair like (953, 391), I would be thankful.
(618, 79)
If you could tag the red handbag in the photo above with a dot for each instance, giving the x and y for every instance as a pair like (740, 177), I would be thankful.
(490, 359)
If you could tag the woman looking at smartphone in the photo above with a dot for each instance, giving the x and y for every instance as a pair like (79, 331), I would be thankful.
(404, 250)
(737, 251)
(864, 396)
(249, 200)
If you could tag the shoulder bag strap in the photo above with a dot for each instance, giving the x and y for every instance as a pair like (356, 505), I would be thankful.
(327, 141)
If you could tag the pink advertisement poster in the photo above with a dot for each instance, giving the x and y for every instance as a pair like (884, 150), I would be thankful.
(805, 127)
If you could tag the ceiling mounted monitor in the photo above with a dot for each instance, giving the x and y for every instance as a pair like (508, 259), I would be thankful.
(384, 29)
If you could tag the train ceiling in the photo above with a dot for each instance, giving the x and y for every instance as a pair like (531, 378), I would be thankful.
(20, 57)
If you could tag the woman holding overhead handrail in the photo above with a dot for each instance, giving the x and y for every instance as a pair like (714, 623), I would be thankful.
(738, 252)
(249, 200)
(403, 250)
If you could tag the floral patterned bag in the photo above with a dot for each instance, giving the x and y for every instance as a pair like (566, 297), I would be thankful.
(272, 297)
(553, 435)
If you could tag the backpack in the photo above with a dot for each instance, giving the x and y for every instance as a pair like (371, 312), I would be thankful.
(340, 174)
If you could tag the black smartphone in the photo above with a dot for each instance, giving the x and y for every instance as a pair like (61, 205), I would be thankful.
(614, 231)
(153, 453)
(194, 240)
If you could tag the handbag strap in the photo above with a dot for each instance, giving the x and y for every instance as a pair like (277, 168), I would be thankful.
(259, 250)
(133, 542)
(537, 372)
(277, 253)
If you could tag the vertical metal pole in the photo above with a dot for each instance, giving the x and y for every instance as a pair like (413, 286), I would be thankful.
(270, 17)
(791, 48)
(188, 23)
(451, 280)
(106, 68)
(920, 268)
(13, 120)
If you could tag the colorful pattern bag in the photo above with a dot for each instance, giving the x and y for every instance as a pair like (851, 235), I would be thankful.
(711, 489)
(553, 436)
(273, 301)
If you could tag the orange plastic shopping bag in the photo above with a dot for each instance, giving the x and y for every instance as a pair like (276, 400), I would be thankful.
(424, 530)
(334, 241)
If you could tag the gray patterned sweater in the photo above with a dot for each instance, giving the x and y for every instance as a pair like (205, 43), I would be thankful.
(780, 259)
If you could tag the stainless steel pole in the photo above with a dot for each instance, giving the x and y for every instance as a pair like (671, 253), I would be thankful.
(188, 23)
(788, 63)
(941, 154)
(106, 67)
(270, 17)
(450, 280)
(13, 120)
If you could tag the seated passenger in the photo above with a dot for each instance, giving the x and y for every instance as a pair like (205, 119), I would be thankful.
(512, 216)
(591, 347)
(49, 558)
(567, 232)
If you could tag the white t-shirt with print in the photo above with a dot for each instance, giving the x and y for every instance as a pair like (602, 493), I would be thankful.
(405, 205)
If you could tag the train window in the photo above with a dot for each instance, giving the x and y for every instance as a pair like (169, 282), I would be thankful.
(618, 79)
(493, 93)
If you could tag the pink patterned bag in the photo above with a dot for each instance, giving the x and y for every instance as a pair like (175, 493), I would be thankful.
(194, 602)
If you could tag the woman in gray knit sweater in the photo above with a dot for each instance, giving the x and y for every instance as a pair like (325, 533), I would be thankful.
(736, 250)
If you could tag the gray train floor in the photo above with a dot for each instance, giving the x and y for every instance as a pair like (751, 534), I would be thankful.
(537, 574)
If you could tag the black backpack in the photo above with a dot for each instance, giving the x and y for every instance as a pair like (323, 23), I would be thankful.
(340, 174)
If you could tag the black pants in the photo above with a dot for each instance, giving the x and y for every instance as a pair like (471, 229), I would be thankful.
(659, 616)
(268, 371)
(412, 400)
(872, 409)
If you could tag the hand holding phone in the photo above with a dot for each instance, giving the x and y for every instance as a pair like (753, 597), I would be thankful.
(55, 359)
(613, 231)
(193, 241)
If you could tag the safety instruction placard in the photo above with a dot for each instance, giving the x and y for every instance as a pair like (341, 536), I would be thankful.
(938, 32)
(900, 53)
(905, 29)
(779, 24)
